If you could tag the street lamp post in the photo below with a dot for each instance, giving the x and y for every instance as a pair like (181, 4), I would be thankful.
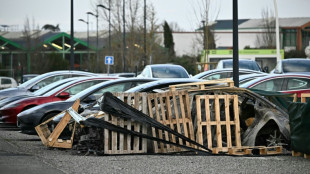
(87, 34)
(104, 7)
(97, 55)
(109, 9)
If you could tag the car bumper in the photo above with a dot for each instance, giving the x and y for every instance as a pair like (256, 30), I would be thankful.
(26, 128)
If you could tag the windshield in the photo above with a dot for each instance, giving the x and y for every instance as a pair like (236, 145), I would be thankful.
(49, 87)
(296, 66)
(168, 72)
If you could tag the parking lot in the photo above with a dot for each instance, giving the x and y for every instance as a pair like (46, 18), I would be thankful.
(20, 153)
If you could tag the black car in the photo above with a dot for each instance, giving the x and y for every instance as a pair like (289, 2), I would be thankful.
(41, 81)
(32, 117)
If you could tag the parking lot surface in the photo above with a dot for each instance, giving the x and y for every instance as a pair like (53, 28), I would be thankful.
(21, 153)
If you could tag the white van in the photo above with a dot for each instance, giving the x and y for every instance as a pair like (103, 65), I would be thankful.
(7, 82)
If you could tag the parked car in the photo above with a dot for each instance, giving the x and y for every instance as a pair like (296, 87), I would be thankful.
(249, 77)
(39, 92)
(285, 83)
(164, 71)
(63, 92)
(7, 82)
(243, 64)
(27, 77)
(124, 74)
(223, 73)
(41, 81)
(32, 117)
(292, 65)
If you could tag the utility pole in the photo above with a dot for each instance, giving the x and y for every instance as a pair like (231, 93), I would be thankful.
(235, 44)
(144, 58)
(124, 39)
(72, 40)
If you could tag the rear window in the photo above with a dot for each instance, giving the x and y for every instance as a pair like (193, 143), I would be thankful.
(169, 72)
(243, 65)
(296, 66)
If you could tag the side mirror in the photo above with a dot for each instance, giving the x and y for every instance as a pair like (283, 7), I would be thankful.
(64, 95)
(34, 88)
(90, 99)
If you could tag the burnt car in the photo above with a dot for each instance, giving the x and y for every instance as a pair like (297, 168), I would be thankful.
(261, 121)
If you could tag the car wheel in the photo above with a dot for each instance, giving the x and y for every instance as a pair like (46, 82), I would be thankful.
(49, 124)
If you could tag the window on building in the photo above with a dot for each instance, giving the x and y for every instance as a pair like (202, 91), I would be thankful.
(290, 37)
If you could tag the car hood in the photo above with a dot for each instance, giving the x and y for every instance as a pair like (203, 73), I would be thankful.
(9, 100)
(46, 107)
(10, 92)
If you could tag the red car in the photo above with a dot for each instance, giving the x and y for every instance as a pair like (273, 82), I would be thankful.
(63, 92)
(285, 83)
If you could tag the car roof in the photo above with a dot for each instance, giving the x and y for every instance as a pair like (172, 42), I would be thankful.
(28, 84)
(271, 76)
(108, 83)
(162, 82)
(78, 80)
(202, 74)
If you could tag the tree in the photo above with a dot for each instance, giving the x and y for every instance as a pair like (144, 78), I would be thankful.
(51, 27)
(267, 39)
(168, 39)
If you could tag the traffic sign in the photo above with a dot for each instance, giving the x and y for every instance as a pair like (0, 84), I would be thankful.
(109, 60)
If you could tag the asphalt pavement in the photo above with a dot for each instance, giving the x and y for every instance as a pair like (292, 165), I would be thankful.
(20, 153)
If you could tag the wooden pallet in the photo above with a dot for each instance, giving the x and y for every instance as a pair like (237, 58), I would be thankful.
(259, 150)
(304, 96)
(210, 124)
(51, 139)
(118, 143)
(294, 153)
(202, 85)
(173, 110)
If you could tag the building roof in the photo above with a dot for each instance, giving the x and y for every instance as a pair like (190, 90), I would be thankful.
(283, 22)
(226, 24)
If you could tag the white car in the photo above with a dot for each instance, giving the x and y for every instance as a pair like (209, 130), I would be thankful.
(7, 82)
(164, 71)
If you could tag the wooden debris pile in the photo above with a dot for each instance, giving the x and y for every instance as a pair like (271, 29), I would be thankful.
(167, 122)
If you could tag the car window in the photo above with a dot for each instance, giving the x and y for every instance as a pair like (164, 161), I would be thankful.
(274, 85)
(113, 88)
(5, 81)
(168, 72)
(80, 87)
(298, 66)
(243, 65)
(298, 83)
(218, 76)
(50, 80)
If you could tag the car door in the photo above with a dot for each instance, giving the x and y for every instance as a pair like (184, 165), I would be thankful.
(272, 85)
(297, 85)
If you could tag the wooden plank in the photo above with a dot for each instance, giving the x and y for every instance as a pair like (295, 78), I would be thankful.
(136, 125)
(144, 127)
(198, 117)
(176, 112)
(164, 117)
(227, 119)
(150, 97)
(218, 122)
(129, 125)
(121, 124)
(208, 121)
(183, 115)
(189, 117)
(237, 123)
(169, 116)
(304, 96)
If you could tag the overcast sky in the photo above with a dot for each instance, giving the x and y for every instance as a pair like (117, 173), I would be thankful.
(182, 12)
